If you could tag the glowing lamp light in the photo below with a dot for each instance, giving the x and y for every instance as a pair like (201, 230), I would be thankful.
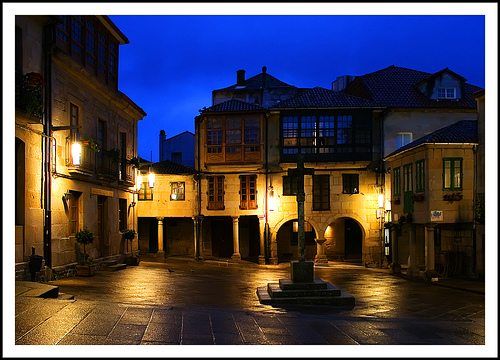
(76, 154)
(272, 201)
(139, 181)
(151, 180)
(381, 201)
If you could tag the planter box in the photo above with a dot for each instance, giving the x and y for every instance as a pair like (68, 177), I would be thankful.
(85, 270)
(132, 260)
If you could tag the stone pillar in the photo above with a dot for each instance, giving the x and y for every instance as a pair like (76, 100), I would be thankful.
(160, 236)
(395, 266)
(430, 257)
(413, 266)
(262, 247)
(273, 259)
(236, 240)
(320, 258)
(197, 220)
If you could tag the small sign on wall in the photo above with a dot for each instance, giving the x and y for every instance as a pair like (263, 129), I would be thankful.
(437, 215)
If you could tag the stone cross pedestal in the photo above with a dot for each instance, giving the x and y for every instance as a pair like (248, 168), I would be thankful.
(299, 173)
(302, 287)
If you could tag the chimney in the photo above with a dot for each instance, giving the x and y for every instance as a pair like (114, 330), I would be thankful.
(240, 77)
(341, 82)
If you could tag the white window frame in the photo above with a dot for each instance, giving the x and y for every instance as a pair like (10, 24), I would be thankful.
(400, 139)
(447, 93)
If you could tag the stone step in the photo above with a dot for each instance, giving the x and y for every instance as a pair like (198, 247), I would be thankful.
(275, 291)
(63, 296)
(116, 267)
(288, 284)
(345, 300)
(35, 289)
(104, 264)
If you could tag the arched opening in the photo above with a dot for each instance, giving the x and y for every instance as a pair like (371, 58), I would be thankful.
(344, 240)
(287, 241)
(353, 237)
(20, 199)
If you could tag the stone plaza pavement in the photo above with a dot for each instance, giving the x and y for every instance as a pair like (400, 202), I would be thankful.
(107, 319)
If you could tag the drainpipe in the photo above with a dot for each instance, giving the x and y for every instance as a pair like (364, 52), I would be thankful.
(474, 200)
(197, 177)
(266, 225)
(46, 140)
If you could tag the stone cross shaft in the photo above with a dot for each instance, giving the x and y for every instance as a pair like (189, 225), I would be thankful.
(299, 173)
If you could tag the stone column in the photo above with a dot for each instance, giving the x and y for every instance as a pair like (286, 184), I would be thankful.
(413, 266)
(236, 240)
(262, 247)
(395, 266)
(160, 236)
(273, 259)
(430, 257)
(320, 258)
(197, 231)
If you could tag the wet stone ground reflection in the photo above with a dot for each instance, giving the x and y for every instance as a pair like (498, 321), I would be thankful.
(213, 284)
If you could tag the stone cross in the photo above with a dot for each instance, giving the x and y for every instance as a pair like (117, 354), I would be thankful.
(299, 173)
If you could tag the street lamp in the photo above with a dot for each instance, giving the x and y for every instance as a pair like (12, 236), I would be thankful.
(271, 200)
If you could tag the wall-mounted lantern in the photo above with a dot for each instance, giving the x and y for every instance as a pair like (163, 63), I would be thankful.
(381, 208)
(151, 179)
(271, 199)
(138, 181)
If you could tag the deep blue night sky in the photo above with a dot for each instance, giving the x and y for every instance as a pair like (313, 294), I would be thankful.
(173, 62)
(177, 57)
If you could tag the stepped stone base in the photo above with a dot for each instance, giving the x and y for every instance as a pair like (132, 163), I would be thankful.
(316, 292)
(111, 265)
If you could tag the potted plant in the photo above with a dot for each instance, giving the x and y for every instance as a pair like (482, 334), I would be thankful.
(135, 162)
(129, 235)
(86, 265)
(114, 155)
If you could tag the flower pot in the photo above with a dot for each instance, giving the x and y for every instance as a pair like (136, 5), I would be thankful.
(85, 270)
(132, 260)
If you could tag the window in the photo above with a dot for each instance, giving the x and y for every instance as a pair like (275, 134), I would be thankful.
(403, 138)
(344, 133)
(319, 134)
(90, 44)
(123, 157)
(420, 175)
(290, 134)
(19, 50)
(177, 157)
(233, 139)
(321, 192)
(248, 192)
(350, 183)
(76, 35)
(74, 212)
(177, 191)
(407, 177)
(289, 185)
(101, 54)
(452, 173)
(122, 214)
(101, 142)
(408, 188)
(447, 93)
(61, 29)
(397, 181)
(74, 115)
(146, 193)
(215, 193)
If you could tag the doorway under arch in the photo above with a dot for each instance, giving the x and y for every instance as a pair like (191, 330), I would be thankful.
(287, 241)
(344, 240)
